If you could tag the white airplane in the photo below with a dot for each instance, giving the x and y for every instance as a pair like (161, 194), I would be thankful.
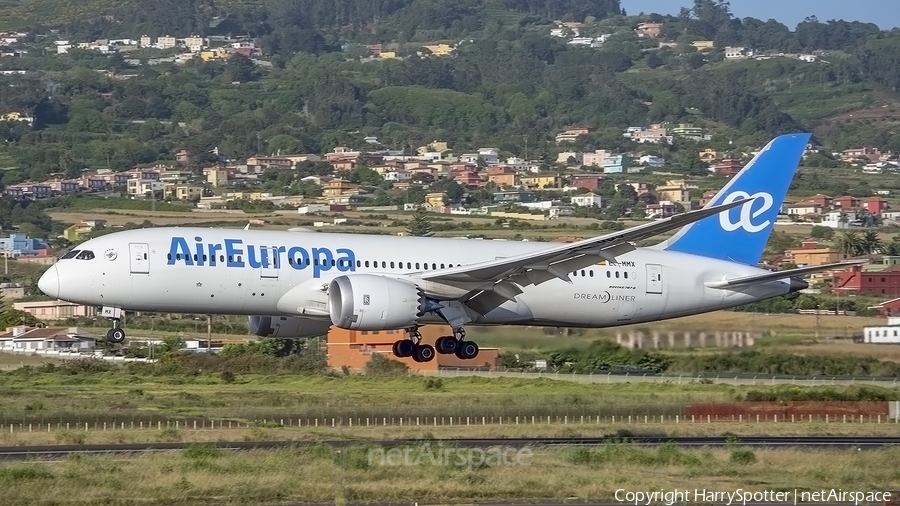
(296, 284)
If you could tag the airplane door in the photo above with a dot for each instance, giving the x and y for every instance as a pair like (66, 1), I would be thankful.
(140, 261)
(269, 269)
(654, 278)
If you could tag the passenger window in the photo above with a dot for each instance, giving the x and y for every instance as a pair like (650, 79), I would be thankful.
(425, 266)
(626, 275)
(358, 263)
(617, 274)
(367, 263)
(168, 256)
(75, 252)
(417, 265)
(178, 256)
(392, 265)
(591, 273)
(409, 265)
(582, 272)
(316, 262)
(221, 258)
(442, 266)
(230, 258)
(383, 264)
(433, 266)
(195, 257)
(608, 274)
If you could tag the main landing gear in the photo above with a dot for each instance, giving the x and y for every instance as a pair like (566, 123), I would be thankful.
(412, 347)
(446, 345)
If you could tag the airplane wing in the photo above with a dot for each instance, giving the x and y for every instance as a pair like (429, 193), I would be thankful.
(771, 276)
(489, 284)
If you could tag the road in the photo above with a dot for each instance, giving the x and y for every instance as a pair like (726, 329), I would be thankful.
(730, 379)
(58, 451)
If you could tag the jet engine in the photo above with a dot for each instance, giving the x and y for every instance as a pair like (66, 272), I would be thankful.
(287, 327)
(373, 302)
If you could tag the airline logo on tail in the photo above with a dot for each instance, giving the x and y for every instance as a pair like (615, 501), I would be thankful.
(747, 214)
(740, 234)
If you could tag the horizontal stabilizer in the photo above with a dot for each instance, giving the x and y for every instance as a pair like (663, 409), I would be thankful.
(771, 276)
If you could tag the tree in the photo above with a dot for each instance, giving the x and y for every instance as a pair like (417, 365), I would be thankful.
(420, 226)
(849, 244)
(871, 243)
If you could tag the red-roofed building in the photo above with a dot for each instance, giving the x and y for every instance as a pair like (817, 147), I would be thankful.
(846, 202)
(729, 167)
(857, 281)
(875, 205)
(589, 181)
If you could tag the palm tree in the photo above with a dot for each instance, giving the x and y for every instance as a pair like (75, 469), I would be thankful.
(871, 243)
(849, 244)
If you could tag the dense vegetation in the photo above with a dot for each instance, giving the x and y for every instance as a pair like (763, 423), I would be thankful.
(508, 84)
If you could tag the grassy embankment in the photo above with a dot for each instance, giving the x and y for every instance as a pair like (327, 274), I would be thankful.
(316, 474)
(113, 398)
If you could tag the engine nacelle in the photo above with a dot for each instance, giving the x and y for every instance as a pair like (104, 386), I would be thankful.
(373, 302)
(287, 327)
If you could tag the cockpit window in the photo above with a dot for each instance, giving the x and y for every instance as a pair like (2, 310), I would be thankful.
(85, 255)
(70, 254)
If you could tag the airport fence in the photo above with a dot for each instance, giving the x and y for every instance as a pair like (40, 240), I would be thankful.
(426, 422)
(731, 412)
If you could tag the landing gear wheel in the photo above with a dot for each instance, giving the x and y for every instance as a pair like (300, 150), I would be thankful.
(467, 350)
(423, 353)
(403, 348)
(446, 345)
(115, 336)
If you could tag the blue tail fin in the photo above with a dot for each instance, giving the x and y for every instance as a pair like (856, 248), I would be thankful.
(740, 234)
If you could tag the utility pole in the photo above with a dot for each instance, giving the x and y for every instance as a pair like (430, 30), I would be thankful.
(208, 333)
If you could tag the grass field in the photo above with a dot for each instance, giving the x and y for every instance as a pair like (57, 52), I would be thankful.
(124, 395)
(317, 474)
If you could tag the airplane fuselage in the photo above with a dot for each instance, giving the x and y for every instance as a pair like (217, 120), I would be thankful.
(258, 272)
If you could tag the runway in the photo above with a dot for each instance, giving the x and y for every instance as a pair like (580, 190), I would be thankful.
(59, 451)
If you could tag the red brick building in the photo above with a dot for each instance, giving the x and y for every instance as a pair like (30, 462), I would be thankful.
(857, 281)
(354, 349)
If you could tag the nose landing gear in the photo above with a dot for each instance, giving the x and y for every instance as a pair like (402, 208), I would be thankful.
(116, 334)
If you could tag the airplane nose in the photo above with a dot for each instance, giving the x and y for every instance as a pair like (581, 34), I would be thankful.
(49, 282)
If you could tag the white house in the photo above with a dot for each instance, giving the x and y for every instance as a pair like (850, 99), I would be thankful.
(833, 219)
(24, 339)
(586, 200)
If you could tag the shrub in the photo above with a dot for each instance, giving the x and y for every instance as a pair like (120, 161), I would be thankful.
(742, 456)
(379, 365)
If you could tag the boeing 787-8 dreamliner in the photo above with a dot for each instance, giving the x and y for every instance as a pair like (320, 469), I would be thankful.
(295, 284)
